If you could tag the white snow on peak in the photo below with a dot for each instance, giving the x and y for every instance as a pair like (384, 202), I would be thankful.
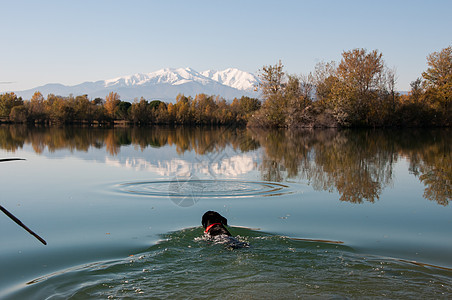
(234, 78)
(136, 79)
(231, 77)
(164, 76)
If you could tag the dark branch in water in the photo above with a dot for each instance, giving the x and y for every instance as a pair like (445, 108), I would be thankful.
(19, 222)
(10, 159)
(22, 225)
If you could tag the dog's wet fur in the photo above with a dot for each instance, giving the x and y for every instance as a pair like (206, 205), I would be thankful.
(218, 232)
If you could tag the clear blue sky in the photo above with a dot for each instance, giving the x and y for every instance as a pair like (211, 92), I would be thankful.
(70, 42)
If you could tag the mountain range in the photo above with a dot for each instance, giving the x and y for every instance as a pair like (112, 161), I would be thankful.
(164, 84)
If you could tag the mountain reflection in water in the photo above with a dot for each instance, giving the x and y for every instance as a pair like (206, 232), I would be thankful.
(358, 164)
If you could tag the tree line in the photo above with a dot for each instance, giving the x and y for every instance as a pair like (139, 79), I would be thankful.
(200, 110)
(359, 91)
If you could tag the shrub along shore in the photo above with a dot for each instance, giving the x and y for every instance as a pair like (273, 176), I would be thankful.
(359, 91)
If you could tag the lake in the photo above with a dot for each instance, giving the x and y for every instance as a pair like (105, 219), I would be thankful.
(326, 213)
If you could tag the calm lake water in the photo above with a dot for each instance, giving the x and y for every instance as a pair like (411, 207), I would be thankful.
(326, 213)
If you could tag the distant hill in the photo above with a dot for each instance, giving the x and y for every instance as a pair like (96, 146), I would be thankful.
(164, 84)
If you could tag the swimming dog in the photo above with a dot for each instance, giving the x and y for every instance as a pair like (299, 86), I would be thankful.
(214, 223)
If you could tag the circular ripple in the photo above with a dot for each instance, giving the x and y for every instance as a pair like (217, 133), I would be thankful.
(204, 188)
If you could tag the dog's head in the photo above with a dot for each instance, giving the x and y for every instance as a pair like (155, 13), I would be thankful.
(211, 217)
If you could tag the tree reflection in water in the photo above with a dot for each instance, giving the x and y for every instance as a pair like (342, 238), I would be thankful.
(357, 163)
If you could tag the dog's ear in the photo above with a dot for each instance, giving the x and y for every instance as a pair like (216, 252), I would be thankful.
(204, 221)
(224, 221)
(205, 218)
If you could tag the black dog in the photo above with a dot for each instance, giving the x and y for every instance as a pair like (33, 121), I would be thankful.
(214, 223)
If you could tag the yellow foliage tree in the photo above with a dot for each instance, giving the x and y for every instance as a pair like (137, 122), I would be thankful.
(438, 81)
(111, 103)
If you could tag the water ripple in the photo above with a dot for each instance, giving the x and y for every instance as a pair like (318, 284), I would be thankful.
(194, 188)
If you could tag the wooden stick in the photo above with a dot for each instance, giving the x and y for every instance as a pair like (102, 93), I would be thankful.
(22, 225)
(10, 159)
(423, 264)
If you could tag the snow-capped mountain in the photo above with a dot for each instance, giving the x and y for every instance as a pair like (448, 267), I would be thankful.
(164, 76)
(234, 78)
(164, 84)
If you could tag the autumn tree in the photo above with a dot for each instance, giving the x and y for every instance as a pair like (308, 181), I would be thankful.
(439, 73)
(171, 110)
(244, 108)
(273, 111)
(272, 79)
(391, 80)
(139, 112)
(203, 109)
(99, 111)
(223, 113)
(58, 109)
(412, 110)
(111, 103)
(161, 113)
(438, 82)
(249, 105)
(298, 96)
(358, 90)
(416, 90)
(286, 98)
(18, 114)
(83, 109)
(36, 107)
(324, 79)
(182, 109)
(7, 102)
